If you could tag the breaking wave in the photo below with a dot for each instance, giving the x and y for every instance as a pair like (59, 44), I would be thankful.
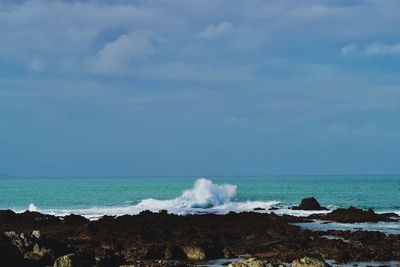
(203, 197)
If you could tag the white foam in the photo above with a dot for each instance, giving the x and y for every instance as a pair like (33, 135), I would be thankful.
(205, 193)
(32, 207)
(203, 197)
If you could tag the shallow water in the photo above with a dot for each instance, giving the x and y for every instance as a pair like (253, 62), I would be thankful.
(385, 227)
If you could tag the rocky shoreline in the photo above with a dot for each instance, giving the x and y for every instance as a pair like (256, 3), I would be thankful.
(32, 239)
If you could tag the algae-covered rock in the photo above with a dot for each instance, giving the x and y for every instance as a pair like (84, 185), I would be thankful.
(69, 260)
(194, 252)
(308, 262)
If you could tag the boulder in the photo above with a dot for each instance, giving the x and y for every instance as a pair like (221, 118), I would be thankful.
(36, 233)
(194, 252)
(39, 256)
(308, 262)
(309, 204)
(69, 260)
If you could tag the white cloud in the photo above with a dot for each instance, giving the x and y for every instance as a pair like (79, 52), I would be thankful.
(349, 49)
(379, 48)
(216, 30)
(376, 48)
(116, 56)
(65, 35)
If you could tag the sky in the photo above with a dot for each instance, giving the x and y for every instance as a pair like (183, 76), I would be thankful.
(199, 87)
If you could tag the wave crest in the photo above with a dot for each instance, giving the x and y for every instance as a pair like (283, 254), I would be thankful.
(203, 197)
(206, 194)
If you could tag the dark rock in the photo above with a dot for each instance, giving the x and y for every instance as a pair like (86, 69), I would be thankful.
(227, 253)
(309, 204)
(174, 252)
(6, 214)
(149, 238)
(111, 260)
(10, 255)
(353, 214)
(75, 219)
(258, 208)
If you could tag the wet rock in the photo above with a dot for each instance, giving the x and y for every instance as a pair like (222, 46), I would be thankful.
(308, 262)
(69, 260)
(258, 209)
(194, 252)
(309, 204)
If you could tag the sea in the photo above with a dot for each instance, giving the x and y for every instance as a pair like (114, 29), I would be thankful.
(95, 197)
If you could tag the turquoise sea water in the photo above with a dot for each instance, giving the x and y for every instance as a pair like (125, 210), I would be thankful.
(98, 196)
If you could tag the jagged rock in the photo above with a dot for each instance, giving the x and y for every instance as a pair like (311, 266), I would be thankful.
(20, 241)
(194, 252)
(308, 262)
(309, 204)
(69, 260)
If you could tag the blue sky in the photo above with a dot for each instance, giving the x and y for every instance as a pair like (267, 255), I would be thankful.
(221, 87)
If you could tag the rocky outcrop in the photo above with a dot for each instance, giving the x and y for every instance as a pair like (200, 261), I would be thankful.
(309, 204)
(353, 214)
(158, 239)
(308, 262)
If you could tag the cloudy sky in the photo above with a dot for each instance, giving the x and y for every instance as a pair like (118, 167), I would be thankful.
(186, 87)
